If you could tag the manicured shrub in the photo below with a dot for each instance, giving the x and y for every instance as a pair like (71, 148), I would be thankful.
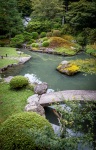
(31, 41)
(45, 43)
(44, 39)
(17, 41)
(49, 34)
(35, 45)
(34, 35)
(56, 33)
(18, 82)
(17, 132)
(43, 34)
(27, 36)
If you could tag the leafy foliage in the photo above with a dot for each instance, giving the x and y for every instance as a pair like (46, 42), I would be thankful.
(17, 131)
(18, 82)
(34, 35)
(17, 41)
(43, 34)
(79, 117)
(11, 22)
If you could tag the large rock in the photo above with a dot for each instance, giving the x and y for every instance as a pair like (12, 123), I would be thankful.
(41, 88)
(33, 98)
(68, 68)
(35, 107)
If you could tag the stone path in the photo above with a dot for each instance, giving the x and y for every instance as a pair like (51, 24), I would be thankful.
(47, 99)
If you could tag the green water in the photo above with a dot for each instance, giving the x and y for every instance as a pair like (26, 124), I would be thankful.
(44, 67)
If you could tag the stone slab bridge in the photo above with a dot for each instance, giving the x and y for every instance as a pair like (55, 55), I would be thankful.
(55, 97)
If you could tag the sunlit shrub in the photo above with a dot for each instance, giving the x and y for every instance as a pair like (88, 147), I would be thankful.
(35, 45)
(45, 44)
(17, 132)
(34, 35)
(43, 34)
(18, 82)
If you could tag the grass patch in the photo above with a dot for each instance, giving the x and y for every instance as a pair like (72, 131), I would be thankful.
(65, 51)
(5, 62)
(11, 55)
(11, 52)
(12, 101)
(86, 65)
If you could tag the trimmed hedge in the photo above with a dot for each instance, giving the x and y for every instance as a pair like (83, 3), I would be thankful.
(18, 82)
(45, 43)
(17, 132)
(34, 35)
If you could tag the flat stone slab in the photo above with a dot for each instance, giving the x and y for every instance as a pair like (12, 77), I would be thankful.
(47, 99)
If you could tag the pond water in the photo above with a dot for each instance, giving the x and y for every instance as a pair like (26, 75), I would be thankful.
(43, 67)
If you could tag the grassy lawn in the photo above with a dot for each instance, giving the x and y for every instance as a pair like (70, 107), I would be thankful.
(66, 51)
(12, 101)
(11, 54)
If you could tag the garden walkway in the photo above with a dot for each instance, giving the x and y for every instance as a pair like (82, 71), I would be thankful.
(47, 99)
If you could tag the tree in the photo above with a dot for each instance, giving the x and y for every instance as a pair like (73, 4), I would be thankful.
(82, 14)
(11, 22)
(24, 7)
(47, 9)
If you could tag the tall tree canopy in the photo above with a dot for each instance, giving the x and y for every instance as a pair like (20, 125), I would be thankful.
(10, 19)
(82, 14)
(47, 9)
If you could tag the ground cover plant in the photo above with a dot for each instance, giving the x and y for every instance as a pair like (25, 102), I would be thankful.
(86, 65)
(12, 101)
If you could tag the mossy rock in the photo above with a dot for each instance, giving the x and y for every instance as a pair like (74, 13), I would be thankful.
(17, 132)
(18, 82)
(68, 68)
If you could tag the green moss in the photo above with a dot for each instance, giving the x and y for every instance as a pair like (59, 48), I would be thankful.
(17, 131)
(65, 51)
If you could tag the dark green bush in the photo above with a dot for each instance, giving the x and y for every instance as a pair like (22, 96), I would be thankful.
(18, 82)
(34, 35)
(17, 41)
(56, 33)
(45, 43)
(31, 41)
(43, 34)
(27, 36)
(17, 132)
(35, 45)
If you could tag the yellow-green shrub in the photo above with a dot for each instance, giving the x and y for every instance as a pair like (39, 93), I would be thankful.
(18, 82)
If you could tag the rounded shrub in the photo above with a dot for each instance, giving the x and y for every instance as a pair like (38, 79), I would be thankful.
(43, 34)
(34, 35)
(56, 33)
(18, 82)
(45, 44)
(49, 34)
(17, 41)
(35, 45)
(17, 132)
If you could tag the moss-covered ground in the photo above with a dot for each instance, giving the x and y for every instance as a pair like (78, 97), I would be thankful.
(12, 101)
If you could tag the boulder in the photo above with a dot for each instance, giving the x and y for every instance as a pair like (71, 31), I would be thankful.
(41, 88)
(8, 79)
(33, 98)
(68, 68)
(35, 107)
